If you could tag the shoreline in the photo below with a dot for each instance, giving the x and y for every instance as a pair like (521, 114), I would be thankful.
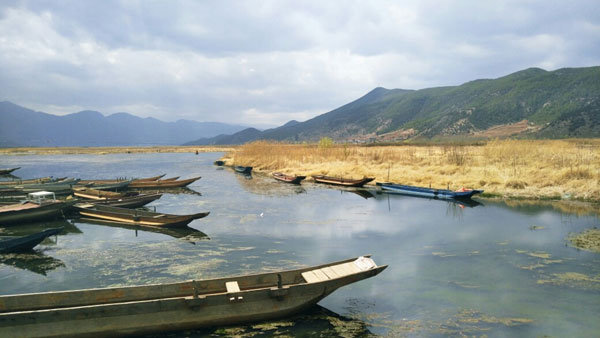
(111, 150)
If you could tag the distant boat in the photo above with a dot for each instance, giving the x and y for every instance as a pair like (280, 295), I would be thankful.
(134, 310)
(163, 183)
(95, 194)
(63, 186)
(23, 243)
(6, 171)
(135, 201)
(427, 192)
(347, 182)
(288, 178)
(242, 169)
(219, 163)
(118, 180)
(134, 216)
(38, 206)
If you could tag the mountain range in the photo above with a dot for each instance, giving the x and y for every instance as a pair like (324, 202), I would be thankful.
(20, 126)
(531, 103)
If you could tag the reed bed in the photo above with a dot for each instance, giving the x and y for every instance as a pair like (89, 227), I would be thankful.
(540, 169)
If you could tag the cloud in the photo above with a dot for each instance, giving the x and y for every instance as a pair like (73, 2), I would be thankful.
(272, 61)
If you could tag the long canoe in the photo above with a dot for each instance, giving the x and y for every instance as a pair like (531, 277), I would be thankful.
(177, 306)
(31, 180)
(427, 192)
(6, 171)
(34, 209)
(347, 182)
(24, 243)
(95, 194)
(135, 201)
(109, 181)
(242, 169)
(288, 178)
(136, 217)
(64, 186)
(163, 184)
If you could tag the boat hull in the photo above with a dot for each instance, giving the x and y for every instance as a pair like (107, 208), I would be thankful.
(163, 183)
(288, 179)
(179, 306)
(24, 243)
(47, 211)
(342, 181)
(427, 192)
(136, 217)
(243, 170)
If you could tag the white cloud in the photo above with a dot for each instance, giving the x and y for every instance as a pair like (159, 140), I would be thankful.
(273, 61)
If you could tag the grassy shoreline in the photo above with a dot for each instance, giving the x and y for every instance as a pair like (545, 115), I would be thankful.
(112, 150)
(516, 169)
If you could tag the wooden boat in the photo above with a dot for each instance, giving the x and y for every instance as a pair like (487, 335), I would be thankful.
(64, 186)
(95, 194)
(118, 180)
(171, 179)
(38, 206)
(162, 184)
(427, 192)
(134, 216)
(135, 201)
(342, 181)
(24, 243)
(31, 180)
(242, 169)
(6, 171)
(288, 179)
(109, 186)
(177, 306)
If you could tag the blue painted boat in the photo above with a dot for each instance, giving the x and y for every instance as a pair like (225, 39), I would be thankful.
(24, 243)
(243, 170)
(427, 192)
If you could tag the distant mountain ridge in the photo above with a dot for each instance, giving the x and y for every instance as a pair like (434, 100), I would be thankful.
(531, 103)
(20, 126)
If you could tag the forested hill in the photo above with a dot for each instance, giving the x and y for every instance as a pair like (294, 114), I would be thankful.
(530, 103)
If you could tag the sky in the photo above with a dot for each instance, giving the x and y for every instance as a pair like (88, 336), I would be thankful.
(263, 63)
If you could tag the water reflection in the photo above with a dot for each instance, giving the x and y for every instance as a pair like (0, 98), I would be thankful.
(31, 228)
(186, 233)
(267, 185)
(316, 321)
(34, 261)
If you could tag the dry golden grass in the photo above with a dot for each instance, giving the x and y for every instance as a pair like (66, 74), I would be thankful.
(111, 150)
(510, 168)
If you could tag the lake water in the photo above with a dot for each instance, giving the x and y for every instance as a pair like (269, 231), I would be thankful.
(496, 269)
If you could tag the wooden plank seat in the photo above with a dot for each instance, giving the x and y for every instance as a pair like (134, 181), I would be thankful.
(233, 287)
(340, 270)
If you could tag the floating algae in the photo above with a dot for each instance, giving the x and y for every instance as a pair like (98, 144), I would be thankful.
(543, 255)
(588, 240)
(572, 279)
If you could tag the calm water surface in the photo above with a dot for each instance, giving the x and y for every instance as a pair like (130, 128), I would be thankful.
(493, 268)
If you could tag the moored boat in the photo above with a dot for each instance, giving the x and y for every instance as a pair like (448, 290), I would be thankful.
(288, 178)
(347, 182)
(63, 186)
(242, 169)
(38, 206)
(427, 192)
(134, 216)
(119, 180)
(24, 243)
(163, 183)
(177, 306)
(95, 194)
(6, 171)
(134, 201)
(219, 163)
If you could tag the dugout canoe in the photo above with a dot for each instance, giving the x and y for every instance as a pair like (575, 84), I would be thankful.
(6, 171)
(118, 180)
(427, 192)
(288, 178)
(135, 201)
(177, 306)
(39, 206)
(242, 169)
(163, 183)
(24, 243)
(347, 182)
(95, 194)
(135, 216)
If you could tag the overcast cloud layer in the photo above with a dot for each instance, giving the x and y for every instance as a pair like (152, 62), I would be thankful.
(267, 62)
